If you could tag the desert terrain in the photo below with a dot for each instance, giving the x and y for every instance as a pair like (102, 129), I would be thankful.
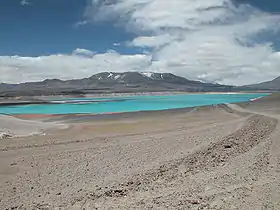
(215, 157)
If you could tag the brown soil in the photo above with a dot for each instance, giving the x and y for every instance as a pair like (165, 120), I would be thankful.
(223, 157)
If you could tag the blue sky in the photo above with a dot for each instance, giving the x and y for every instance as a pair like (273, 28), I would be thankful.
(268, 5)
(50, 26)
(194, 39)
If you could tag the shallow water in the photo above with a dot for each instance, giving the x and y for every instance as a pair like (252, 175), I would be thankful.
(128, 104)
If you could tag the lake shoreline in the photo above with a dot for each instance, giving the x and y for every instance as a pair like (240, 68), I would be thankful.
(37, 100)
(103, 117)
(222, 156)
(61, 108)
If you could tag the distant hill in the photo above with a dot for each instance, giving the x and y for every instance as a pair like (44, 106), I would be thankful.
(269, 85)
(108, 82)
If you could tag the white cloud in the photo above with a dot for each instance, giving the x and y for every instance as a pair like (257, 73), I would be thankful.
(24, 2)
(15, 69)
(83, 52)
(152, 41)
(209, 40)
(80, 23)
(117, 44)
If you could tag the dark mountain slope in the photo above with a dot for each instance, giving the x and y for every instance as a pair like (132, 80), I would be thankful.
(107, 82)
(269, 85)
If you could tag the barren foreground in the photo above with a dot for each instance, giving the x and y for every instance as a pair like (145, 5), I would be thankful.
(223, 157)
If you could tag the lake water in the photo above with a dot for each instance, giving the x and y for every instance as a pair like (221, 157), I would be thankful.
(128, 104)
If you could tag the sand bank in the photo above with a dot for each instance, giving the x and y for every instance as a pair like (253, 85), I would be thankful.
(14, 127)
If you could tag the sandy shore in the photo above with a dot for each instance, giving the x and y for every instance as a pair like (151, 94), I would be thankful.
(219, 157)
(11, 126)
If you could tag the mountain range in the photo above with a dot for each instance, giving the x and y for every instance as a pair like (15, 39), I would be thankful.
(269, 85)
(108, 82)
(111, 82)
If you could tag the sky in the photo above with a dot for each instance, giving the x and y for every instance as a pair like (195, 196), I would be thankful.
(233, 42)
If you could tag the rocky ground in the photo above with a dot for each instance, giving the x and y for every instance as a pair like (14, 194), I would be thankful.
(221, 157)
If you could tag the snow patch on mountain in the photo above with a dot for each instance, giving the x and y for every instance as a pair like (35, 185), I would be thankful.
(147, 74)
(117, 77)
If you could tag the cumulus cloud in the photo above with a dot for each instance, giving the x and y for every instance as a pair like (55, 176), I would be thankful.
(80, 64)
(207, 40)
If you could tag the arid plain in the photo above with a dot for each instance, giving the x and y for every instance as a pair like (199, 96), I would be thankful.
(215, 157)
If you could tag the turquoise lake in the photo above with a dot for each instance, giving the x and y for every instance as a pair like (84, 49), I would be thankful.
(128, 104)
